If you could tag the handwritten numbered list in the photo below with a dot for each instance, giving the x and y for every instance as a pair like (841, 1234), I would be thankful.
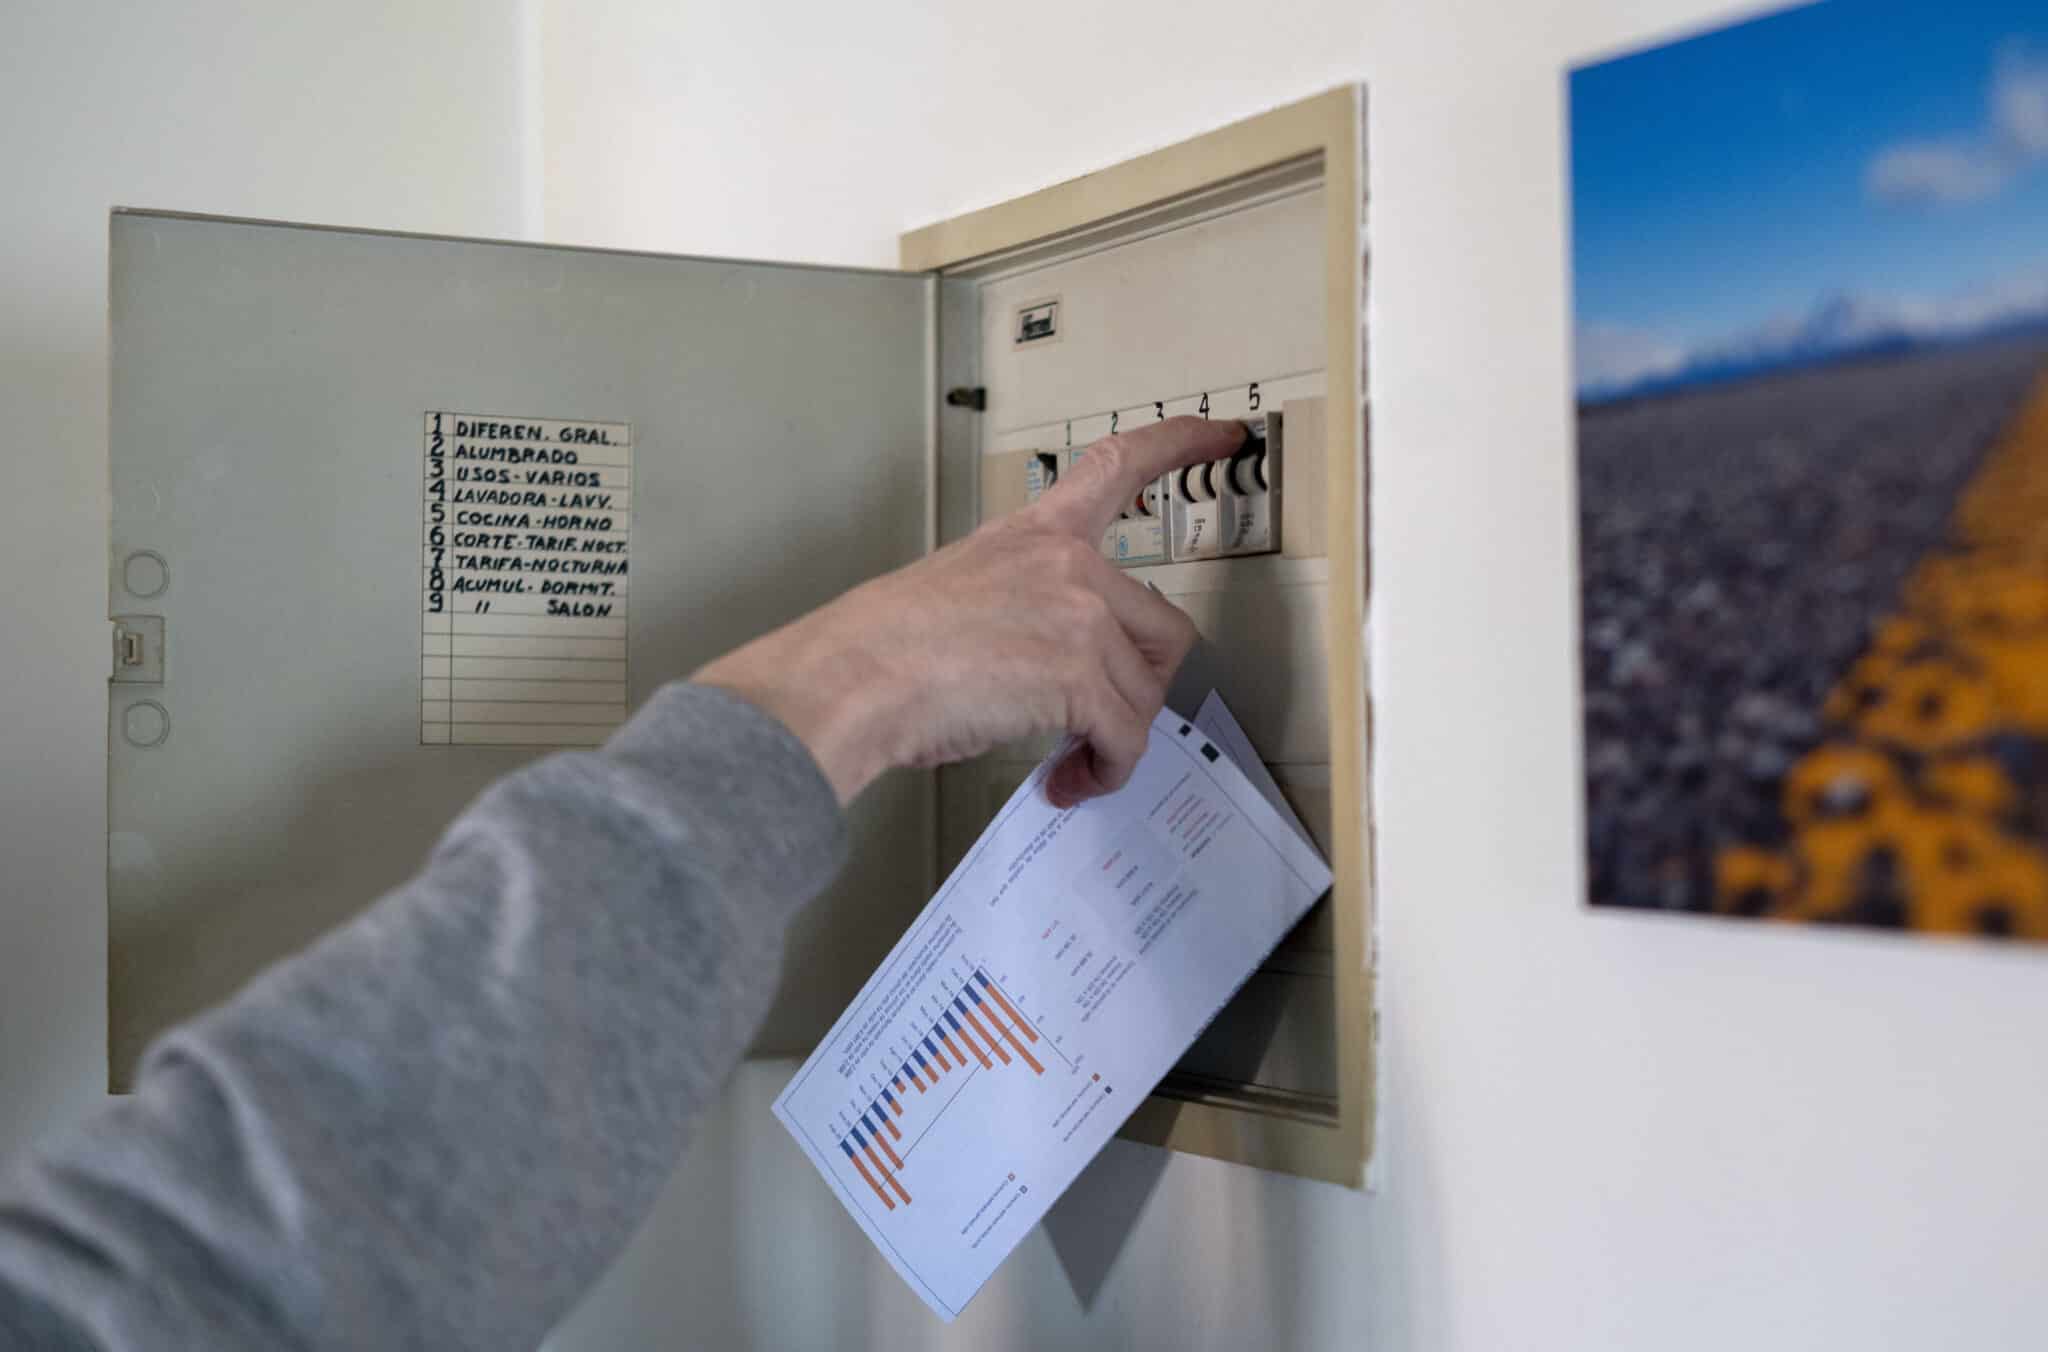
(524, 580)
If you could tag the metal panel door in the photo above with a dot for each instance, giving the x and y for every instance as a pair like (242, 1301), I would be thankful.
(303, 697)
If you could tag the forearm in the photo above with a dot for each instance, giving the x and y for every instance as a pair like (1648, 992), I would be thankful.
(438, 1125)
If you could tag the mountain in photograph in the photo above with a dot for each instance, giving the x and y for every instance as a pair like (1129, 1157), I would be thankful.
(1747, 202)
(1837, 327)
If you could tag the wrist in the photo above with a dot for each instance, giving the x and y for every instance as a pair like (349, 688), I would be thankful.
(837, 710)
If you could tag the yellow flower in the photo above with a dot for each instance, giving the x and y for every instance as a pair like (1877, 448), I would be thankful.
(1838, 780)
(1973, 784)
(1930, 706)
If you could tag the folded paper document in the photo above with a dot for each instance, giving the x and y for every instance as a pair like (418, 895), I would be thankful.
(1059, 973)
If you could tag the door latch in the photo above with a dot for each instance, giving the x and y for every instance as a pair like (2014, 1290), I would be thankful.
(138, 650)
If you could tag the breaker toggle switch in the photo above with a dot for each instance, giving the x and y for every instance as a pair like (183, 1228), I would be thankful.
(1138, 535)
(1196, 512)
(1229, 507)
(1252, 493)
(1041, 473)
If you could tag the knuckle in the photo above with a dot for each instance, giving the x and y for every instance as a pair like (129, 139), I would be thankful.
(1082, 624)
(1108, 456)
(1011, 522)
(1091, 611)
(1107, 713)
(1137, 730)
(1068, 556)
(1155, 695)
(1105, 631)
(1116, 768)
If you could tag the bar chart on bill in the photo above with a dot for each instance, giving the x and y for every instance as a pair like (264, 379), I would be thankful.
(1056, 975)
(980, 1019)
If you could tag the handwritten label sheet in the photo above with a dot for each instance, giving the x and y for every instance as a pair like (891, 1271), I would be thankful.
(1060, 972)
(526, 533)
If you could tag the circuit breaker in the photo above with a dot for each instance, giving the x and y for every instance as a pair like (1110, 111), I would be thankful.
(395, 514)
(1228, 508)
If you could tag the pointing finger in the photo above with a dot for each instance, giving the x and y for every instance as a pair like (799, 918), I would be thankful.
(1113, 471)
(1115, 740)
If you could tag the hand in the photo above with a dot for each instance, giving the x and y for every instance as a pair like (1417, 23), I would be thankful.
(1019, 629)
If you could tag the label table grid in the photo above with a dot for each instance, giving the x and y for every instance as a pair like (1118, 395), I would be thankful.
(524, 549)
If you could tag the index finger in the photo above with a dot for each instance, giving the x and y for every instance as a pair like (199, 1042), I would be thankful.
(1113, 471)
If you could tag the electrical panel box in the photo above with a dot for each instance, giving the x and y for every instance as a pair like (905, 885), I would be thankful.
(393, 514)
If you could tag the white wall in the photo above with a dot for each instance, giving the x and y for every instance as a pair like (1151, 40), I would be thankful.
(1599, 1130)
(380, 113)
(818, 131)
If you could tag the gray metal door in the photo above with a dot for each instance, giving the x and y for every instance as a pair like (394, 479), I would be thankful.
(305, 690)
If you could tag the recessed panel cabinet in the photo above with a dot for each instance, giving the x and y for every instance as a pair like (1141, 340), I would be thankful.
(393, 514)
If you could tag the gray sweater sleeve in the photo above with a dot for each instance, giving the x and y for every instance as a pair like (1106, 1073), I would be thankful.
(436, 1127)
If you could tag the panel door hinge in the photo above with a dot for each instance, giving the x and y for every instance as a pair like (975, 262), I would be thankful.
(968, 396)
(138, 650)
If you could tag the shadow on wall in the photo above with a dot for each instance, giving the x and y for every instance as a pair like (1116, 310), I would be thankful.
(748, 1248)
(1091, 1225)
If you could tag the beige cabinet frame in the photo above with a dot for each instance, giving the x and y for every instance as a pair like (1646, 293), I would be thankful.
(1239, 1123)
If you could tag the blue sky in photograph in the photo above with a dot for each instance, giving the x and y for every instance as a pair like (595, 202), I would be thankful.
(1813, 180)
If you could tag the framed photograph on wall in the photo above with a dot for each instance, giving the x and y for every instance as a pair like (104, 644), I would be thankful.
(1810, 286)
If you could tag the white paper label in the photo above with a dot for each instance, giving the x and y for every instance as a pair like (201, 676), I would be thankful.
(526, 532)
